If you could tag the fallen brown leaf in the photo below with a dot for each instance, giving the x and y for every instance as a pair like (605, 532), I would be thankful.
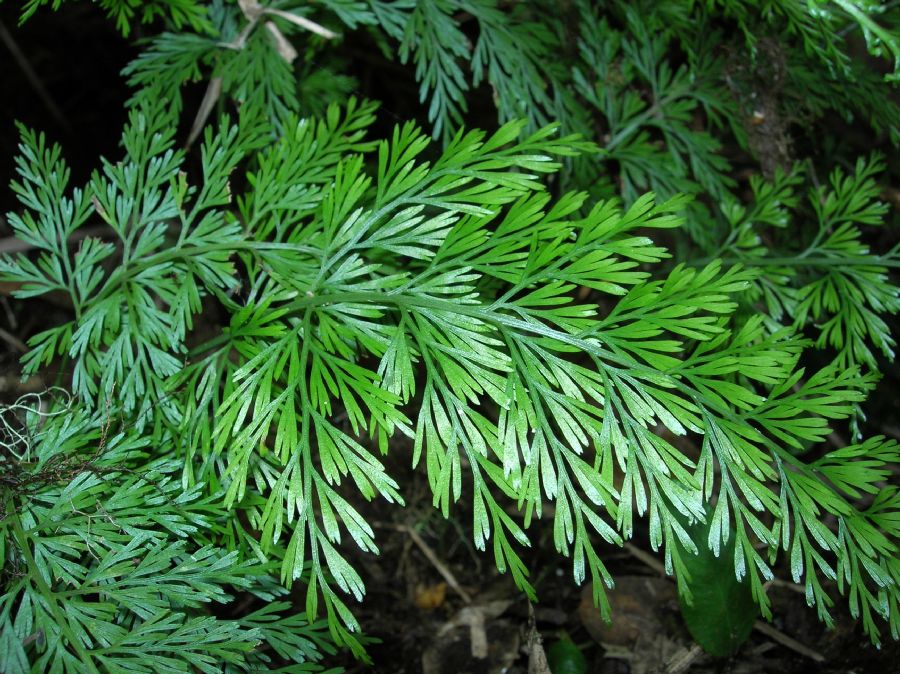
(430, 596)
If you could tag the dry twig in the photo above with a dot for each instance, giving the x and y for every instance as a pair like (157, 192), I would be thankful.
(437, 563)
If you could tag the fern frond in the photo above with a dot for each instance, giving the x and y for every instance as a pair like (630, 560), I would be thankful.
(102, 569)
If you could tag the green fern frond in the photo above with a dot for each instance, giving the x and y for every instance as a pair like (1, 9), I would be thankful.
(105, 569)
(605, 312)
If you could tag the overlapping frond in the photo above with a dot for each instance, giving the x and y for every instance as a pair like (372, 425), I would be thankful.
(110, 569)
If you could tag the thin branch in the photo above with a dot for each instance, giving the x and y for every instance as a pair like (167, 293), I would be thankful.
(13, 341)
(787, 642)
(33, 79)
(438, 564)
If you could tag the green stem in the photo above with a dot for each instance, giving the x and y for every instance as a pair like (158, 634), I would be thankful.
(220, 340)
(887, 261)
(22, 539)
(642, 118)
(474, 311)
(186, 252)
(888, 39)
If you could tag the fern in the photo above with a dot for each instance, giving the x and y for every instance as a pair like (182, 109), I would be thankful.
(109, 569)
(399, 271)
(130, 322)
(833, 281)
(692, 157)
(126, 12)
(605, 333)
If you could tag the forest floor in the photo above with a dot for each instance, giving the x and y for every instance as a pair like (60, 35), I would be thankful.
(438, 606)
